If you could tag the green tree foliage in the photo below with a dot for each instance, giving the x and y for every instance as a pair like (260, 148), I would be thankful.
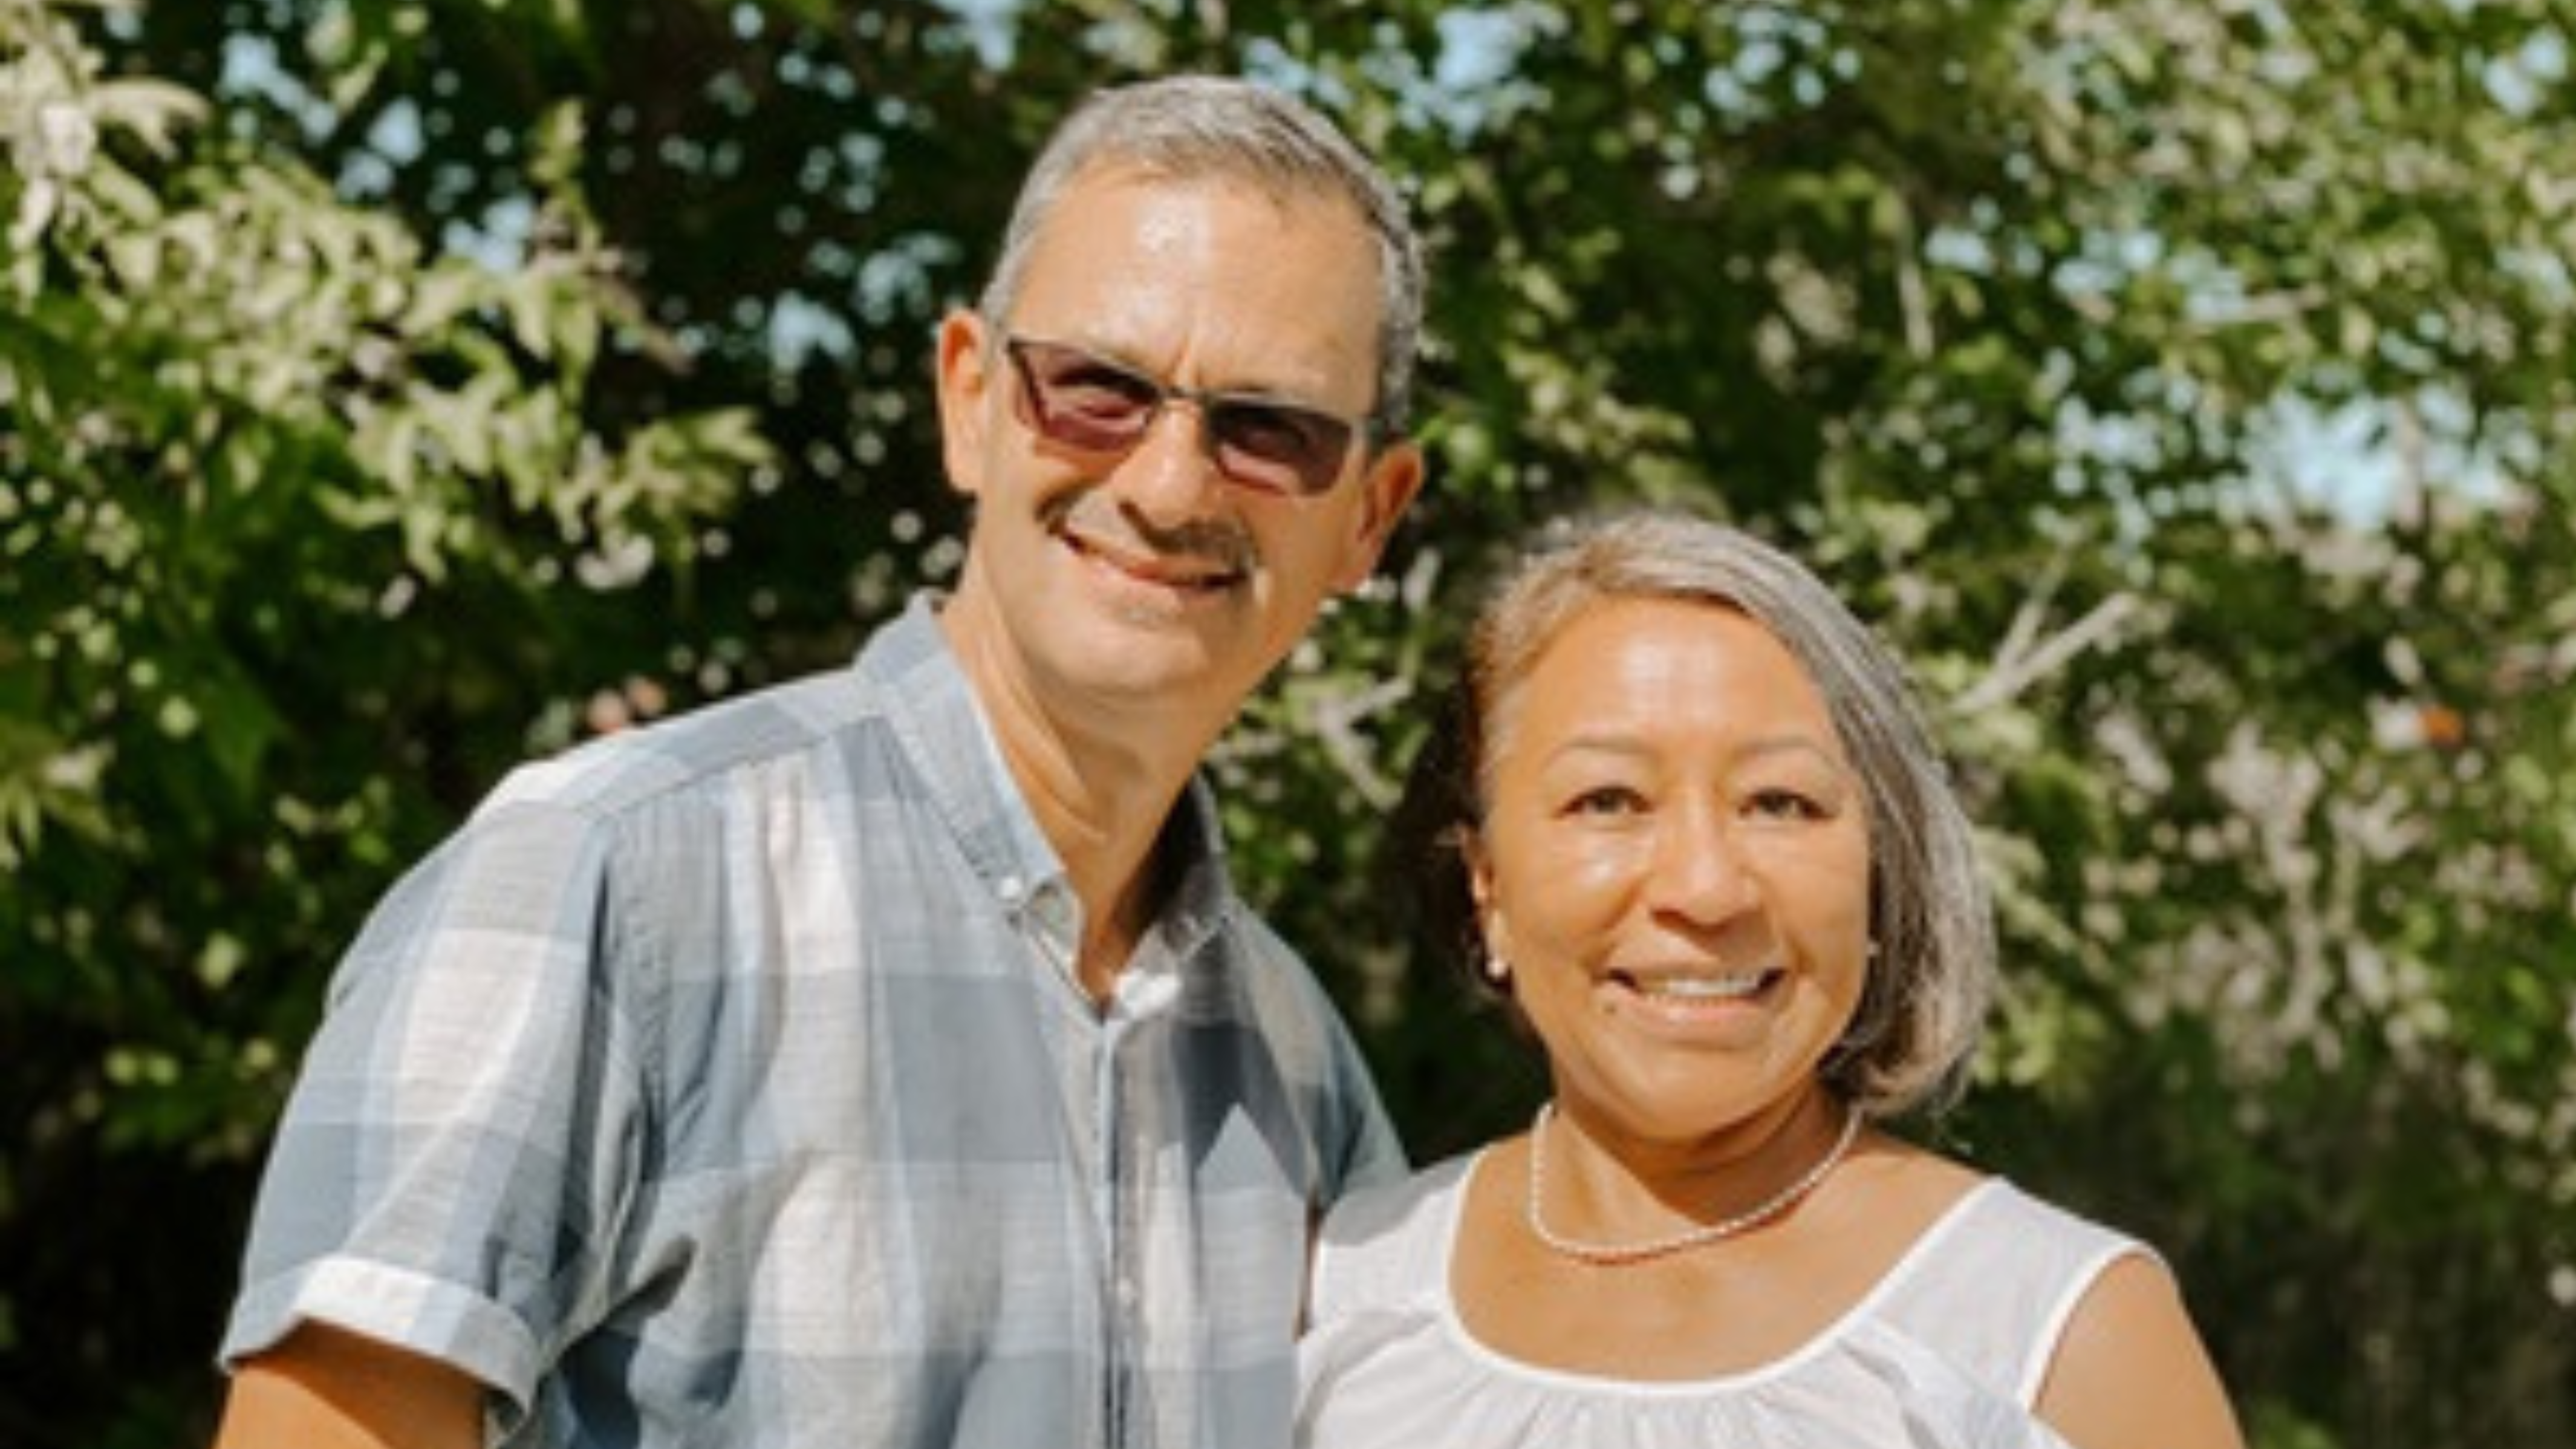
(292, 510)
(390, 387)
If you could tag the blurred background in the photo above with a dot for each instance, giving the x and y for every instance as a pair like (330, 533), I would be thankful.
(391, 389)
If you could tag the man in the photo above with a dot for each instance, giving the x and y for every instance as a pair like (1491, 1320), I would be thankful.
(884, 1059)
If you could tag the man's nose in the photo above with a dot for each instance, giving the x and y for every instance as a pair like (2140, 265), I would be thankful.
(1171, 476)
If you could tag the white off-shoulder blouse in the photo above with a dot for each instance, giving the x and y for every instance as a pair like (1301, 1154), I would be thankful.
(1947, 1351)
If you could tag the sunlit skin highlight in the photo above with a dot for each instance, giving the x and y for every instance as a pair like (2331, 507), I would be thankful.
(1116, 609)
(1144, 590)
(1675, 864)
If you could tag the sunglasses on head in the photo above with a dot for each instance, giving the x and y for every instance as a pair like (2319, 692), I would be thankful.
(1084, 401)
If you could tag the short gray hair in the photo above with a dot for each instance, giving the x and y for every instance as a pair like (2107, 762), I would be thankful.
(1932, 978)
(1191, 127)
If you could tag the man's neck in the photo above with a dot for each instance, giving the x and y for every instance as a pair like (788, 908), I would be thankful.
(1104, 811)
(1100, 789)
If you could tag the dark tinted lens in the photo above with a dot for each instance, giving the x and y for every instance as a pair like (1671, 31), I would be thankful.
(1276, 446)
(1081, 401)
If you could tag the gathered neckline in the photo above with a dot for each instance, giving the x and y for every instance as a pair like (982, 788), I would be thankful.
(1844, 1324)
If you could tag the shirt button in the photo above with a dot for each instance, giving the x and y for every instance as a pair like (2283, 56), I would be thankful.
(1012, 889)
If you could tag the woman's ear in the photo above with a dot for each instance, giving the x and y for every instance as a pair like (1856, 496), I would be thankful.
(1489, 914)
(1480, 870)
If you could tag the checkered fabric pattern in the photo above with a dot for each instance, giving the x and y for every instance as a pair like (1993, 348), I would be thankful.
(720, 1083)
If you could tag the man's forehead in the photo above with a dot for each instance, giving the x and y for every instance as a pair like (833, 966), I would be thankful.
(1200, 224)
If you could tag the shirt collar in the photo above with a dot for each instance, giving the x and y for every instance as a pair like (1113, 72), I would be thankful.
(942, 729)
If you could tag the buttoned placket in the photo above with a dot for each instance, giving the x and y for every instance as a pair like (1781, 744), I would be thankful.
(1050, 919)
(1143, 991)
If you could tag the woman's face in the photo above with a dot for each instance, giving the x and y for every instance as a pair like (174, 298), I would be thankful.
(1675, 865)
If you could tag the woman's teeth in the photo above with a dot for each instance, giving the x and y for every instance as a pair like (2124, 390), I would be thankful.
(1702, 988)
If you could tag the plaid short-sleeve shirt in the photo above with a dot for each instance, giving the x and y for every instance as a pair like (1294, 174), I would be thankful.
(720, 1083)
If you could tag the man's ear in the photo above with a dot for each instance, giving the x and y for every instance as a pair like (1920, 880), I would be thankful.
(965, 383)
(1394, 476)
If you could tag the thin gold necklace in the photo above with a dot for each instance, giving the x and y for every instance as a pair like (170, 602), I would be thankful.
(1616, 1254)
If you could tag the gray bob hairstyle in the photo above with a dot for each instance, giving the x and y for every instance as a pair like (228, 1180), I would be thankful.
(1185, 128)
(1921, 1014)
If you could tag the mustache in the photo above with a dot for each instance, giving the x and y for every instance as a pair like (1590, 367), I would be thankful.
(1204, 541)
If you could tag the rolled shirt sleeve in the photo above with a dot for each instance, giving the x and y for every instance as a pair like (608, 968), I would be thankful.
(455, 1151)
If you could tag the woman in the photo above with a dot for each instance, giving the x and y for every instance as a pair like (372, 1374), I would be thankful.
(1717, 871)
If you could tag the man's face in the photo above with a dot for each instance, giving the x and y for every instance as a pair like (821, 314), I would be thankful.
(1100, 580)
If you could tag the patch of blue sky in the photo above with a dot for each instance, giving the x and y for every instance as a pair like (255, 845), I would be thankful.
(2334, 459)
(251, 71)
(1477, 75)
(1481, 48)
(992, 27)
(2371, 460)
(2522, 80)
(800, 328)
(498, 238)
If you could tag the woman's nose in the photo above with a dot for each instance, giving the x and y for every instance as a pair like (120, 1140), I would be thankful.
(1700, 868)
